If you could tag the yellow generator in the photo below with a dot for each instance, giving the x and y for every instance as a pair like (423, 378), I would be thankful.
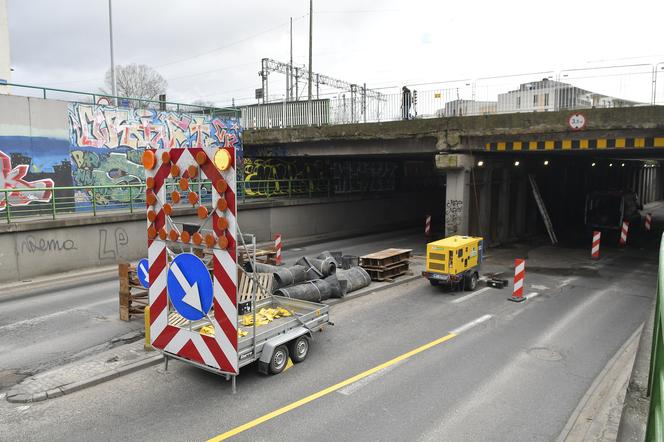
(454, 261)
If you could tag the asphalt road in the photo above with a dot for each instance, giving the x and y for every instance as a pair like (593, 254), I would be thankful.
(55, 327)
(517, 374)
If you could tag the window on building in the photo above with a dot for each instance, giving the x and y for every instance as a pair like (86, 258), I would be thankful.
(535, 100)
(518, 102)
(546, 99)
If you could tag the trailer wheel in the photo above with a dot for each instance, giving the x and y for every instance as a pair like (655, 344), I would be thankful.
(299, 349)
(471, 281)
(279, 359)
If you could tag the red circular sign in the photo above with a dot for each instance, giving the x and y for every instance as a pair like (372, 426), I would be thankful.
(576, 121)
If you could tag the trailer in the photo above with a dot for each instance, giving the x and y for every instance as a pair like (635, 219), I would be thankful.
(193, 313)
(454, 261)
(270, 345)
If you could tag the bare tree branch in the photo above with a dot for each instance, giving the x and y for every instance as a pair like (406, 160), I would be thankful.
(136, 81)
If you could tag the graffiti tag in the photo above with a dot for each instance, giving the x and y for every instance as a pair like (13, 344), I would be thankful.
(453, 216)
(110, 244)
(12, 178)
(34, 245)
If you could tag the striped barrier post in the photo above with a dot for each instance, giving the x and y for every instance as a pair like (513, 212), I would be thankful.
(519, 275)
(623, 233)
(648, 222)
(277, 247)
(594, 252)
(427, 225)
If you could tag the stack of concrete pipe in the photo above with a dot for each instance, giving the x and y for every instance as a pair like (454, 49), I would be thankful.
(315, 279)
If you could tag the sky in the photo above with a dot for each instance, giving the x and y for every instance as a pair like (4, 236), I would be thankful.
(211, 50)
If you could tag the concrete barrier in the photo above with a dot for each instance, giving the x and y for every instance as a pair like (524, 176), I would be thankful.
(28, 250)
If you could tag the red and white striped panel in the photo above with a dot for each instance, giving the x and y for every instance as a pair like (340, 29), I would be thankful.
(277, 247)
(427, 225)
(519, 275)
(648, 222)
(220, 351)
(623, 233)
(594, 251)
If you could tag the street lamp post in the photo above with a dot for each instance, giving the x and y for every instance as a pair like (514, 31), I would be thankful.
(110, 27)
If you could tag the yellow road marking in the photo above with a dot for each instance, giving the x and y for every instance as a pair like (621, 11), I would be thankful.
(328, 390)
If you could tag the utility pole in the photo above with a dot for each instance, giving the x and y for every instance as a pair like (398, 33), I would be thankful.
(311, 24)
(290, 69)
(114, 90)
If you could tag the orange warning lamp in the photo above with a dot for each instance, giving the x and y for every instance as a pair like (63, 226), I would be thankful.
(185, 236)
(222, 204)
(148, 159)
(175, 171)
(222, 159)
(162, 234)
(209, 240)
(192, 171)
(152, 215)
(202, 212)
(198, 238)
(184, 184)
(168, 209)
(165, 157)
(193, 198)
(149, 182)
(173, 235)
(222, 223)
(150, 198)
(222, 242)
(175, 196)
(201, 158)
(221, 185)
(152, 232)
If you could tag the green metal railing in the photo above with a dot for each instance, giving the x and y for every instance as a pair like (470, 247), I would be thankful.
(655, 427)
(65, 201)
(90, 98)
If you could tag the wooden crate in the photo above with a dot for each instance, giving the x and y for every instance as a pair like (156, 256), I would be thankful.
(133, 296)
(265, 256)
(248, 286)
(388, 273)
(385, 258)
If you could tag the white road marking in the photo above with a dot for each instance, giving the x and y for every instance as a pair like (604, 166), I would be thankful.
(532, 295)
(472, 295)
(471, 324)
(352, 388)
(539, 287)
(40, 319)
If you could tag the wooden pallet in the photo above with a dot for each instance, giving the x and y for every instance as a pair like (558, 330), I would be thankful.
(265, 256)
(388, 274)
(133, 296)
(248, 286)
(386, 264)
(385, 258)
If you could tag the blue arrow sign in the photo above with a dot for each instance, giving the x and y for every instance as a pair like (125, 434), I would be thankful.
(189, 286)
(143, 270)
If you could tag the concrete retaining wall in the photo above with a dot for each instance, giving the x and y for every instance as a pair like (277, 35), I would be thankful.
(26, 254)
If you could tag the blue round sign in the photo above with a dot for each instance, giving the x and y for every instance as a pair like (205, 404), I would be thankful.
(143, 270)
(189, 286)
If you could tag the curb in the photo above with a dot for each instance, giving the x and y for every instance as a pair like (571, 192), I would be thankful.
(15, 397)
(20, 398)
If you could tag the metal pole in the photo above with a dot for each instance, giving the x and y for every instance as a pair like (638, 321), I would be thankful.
(9, 217)
(311, 24)
(290, 71)
(114, 90)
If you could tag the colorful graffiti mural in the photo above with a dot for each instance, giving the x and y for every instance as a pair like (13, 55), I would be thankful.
(107, 145)
(12, 177)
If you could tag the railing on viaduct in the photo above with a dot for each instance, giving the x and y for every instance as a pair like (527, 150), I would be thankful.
(544, 91)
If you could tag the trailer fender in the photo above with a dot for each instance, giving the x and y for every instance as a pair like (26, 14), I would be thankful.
(271, 344)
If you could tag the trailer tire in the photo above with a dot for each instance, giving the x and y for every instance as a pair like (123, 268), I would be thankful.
(299, 349)
(471, 281)
(279, 359)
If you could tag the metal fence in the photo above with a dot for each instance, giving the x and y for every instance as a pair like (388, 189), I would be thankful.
(655, 427)
(112, 100)
(545, 91)
(24, 204)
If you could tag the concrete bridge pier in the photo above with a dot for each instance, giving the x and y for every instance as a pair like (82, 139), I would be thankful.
(457, 192)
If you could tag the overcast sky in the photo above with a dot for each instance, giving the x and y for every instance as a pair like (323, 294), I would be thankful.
(211, 50)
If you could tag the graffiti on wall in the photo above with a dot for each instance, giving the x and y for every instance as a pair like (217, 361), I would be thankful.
(453, 217)
(13, 177)
(285, 176)
(107, 144)
(111, 128)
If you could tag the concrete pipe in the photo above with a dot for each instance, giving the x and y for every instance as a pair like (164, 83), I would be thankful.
(286, 276)
(317, 290)
(355, 278)
(322, 267)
